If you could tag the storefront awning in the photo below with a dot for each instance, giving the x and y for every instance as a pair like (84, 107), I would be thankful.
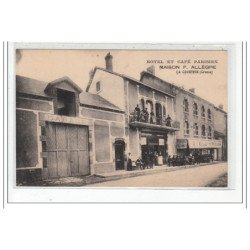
(198, 143)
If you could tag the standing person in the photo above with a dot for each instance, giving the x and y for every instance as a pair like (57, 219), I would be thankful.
(129, 163)
(152, 116)
(143, 116)
(155, 158)
(151, 159)
(164, 119)
(146, 115)
(137, 113)
(146, 159)
(169, 121)
(169, 160)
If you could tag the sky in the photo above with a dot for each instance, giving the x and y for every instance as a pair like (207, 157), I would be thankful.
(48, 65)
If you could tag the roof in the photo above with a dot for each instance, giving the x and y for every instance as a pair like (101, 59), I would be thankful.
(94, 100)
(179, 87)
(221, 110)
(162, 90)
(64, 79)
(25, 85)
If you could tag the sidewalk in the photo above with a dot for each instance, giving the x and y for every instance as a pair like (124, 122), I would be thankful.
(121, 174)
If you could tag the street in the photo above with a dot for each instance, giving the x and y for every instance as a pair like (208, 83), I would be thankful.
(199, 176)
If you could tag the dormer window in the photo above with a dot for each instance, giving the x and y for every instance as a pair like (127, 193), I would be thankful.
(66, 104)
(98, 87)
(65, 94)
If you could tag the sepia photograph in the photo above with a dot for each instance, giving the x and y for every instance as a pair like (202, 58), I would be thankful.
(121, 118)
(124, 124)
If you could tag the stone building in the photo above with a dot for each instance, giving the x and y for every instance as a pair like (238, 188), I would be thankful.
(62, 131)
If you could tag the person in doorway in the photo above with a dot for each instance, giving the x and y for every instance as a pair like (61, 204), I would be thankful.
(155, 158)
(145, 159)
(129, 163)
(151, 159)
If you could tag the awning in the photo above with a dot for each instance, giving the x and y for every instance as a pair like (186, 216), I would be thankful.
(198, 143)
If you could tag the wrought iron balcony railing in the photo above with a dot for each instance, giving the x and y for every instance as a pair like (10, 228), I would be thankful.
(158, 122)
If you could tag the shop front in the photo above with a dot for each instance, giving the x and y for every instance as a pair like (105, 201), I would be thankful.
(154, 148)
(198, 147)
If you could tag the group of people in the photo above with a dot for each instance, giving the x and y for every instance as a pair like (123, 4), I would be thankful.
(179, 160)
(144, 116)
(148, 160)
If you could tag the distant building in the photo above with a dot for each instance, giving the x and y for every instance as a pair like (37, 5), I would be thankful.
(63, 131)
(220, 131)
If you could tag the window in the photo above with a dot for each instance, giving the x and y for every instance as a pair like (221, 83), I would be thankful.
(209, 132)
(202, 111)
(186, 128)
(203, 131)
(66, 103)
(209, 114)
(98, 86)
(142, 104)
(185, 105)
(196, 129)
(195, 109)
(158, 109)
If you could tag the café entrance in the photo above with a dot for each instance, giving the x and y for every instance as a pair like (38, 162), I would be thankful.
(154, 148)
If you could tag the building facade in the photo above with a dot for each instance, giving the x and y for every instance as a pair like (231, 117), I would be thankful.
(63, 131)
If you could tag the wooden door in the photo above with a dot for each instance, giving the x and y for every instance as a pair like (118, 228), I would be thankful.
(119, 155)
(67, 150)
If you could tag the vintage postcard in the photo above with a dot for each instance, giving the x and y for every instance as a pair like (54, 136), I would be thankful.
(121, 116)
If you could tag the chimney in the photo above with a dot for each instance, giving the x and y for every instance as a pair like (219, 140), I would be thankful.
(221, 106)
(151, 69)
(109, 62)
(192, 90)
(91, 73)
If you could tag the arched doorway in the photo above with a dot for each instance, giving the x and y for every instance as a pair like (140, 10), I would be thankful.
(119, 154)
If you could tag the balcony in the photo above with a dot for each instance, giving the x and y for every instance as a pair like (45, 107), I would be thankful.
(158, 123)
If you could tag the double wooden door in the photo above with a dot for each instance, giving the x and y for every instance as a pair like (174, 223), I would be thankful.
(67, 150)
